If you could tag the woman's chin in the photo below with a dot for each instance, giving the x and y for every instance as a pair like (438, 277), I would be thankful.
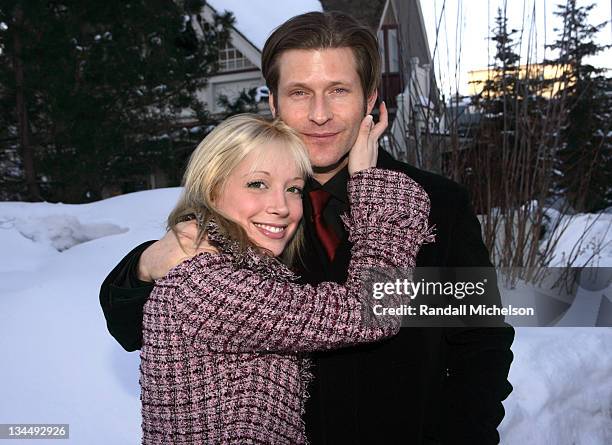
(276, 251)
(272, 249)
(271, 246)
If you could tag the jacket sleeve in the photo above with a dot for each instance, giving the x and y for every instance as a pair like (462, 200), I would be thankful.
(238, 310)
(122, 297)
(478, 358)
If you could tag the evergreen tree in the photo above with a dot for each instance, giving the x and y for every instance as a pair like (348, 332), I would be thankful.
(245, 102)
(501, 88)
(513, 142)
(585, 157)
(495, 138)
(509, 164)
(101, 89)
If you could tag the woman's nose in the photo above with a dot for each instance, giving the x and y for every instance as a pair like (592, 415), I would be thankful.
(278, 203)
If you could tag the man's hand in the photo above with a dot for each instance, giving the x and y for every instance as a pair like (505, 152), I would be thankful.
(364, 153)
(161, 256)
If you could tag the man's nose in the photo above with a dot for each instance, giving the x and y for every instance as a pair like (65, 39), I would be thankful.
(320, 111)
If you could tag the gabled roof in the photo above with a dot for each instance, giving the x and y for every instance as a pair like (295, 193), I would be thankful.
(367, 12)
(256, 19)
(412, 27)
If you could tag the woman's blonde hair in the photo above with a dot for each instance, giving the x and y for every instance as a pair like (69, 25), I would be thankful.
(213, 161)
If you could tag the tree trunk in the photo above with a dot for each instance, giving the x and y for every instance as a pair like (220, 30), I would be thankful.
(27, 151)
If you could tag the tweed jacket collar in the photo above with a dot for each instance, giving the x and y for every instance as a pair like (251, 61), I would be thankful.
(250, 258)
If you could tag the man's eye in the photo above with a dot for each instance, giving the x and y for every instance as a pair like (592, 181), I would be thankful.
(340, 90)
(256, 185)
(296, 190)
(298, 93)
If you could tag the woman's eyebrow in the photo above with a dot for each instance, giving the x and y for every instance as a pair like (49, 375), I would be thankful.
(257, 171)
(300, 178)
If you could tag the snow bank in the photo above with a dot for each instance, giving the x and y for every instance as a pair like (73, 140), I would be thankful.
(562, 380)
(62, 231)
(60, 365)
(584, 239)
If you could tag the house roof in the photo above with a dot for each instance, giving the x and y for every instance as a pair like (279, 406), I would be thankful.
(367, 12)
(256, 19)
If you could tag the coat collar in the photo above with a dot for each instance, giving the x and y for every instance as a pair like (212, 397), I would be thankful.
(268, 267)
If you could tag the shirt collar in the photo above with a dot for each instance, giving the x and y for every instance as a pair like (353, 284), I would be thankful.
(336, 186)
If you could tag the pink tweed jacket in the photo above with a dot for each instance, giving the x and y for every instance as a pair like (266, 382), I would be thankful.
(225, 334)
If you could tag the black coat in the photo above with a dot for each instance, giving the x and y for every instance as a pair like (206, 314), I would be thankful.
(424, 386)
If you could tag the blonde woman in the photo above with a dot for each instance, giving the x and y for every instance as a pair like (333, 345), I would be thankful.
(225, 331)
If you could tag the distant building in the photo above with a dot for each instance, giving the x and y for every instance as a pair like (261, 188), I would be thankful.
(536, 72)
(240, 59)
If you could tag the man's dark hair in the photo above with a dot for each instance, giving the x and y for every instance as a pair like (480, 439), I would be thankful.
(324, 30)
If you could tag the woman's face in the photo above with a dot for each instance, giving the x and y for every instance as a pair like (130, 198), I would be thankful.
(264, 195)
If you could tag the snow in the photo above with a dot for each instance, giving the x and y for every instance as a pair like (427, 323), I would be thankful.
(562, 379)
(60, 365)
(256, 19)
(583, 240)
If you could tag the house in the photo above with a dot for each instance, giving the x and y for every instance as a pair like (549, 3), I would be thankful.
(240, 59)
(545, 76)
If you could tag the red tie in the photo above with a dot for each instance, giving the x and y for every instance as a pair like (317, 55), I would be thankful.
(328, 237)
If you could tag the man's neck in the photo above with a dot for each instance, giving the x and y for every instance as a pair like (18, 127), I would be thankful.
(323, 176)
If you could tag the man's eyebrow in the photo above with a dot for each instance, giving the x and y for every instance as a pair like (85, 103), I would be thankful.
(307, 87)
(297, 85)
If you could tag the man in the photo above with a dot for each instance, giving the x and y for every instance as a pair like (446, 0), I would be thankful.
(424, 386)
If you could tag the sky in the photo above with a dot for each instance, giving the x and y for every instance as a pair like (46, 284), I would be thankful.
(463, 35)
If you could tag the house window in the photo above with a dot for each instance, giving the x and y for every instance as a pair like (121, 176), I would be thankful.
(230, 59)
(389, 49)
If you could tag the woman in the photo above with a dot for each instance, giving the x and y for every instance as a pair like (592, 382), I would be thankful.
(225, 329)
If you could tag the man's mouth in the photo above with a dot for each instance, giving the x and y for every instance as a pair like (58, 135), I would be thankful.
(321, 136)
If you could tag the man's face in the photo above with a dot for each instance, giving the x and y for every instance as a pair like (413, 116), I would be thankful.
(320, 96)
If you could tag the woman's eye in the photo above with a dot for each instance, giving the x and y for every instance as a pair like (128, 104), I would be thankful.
(256, 185)
(296, 190)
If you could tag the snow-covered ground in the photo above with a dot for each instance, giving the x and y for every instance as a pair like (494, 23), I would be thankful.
(60, 365)
(583, 239)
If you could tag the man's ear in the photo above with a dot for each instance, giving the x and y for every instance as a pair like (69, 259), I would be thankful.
(271, 104)
(371, 101)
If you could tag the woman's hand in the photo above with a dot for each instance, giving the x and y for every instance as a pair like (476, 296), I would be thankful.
(174, 248)
(364, 153)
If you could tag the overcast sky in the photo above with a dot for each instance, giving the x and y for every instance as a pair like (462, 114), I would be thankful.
(464, 25)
